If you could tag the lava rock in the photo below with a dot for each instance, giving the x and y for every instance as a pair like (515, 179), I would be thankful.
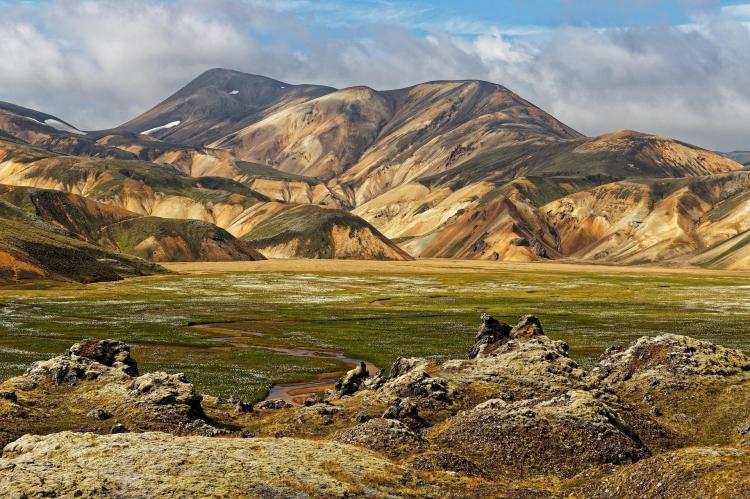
(491, 331)
(99, 414)
(9, 395)
(352, 380)
(273, 404)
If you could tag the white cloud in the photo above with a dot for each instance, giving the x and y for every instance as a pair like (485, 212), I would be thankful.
(97, 64)
(740, 12)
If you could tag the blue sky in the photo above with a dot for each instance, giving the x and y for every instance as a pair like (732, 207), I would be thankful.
(673, 67)
(469, 17)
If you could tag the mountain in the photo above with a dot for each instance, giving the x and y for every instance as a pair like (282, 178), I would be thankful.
(51, 133)
(152, 238)
(217, 103)
(315, 232)
(739, 156)
(656, 220)
(157, 212)
(449, 169)
(30, 248)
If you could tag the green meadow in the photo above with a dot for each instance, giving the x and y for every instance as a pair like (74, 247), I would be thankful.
(227, 330)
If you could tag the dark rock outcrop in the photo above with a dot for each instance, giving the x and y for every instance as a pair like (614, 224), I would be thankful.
(490, 332)
(352, 380)
(389, 436)
(273, 404)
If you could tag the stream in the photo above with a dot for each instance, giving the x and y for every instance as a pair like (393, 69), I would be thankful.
(295, 393)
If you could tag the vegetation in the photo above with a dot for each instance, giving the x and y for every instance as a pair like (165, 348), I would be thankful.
(225, 330)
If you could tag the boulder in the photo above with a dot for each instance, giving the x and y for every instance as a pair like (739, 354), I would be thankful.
(99, 414)
(352, 380)
(493, 334)
(166, 393)
(110, 353)
(388, 436)
(556, 437)
(699, 390)
(273, 404)
(85, 361)
(490, 332)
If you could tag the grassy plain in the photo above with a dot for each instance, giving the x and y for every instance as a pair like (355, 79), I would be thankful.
(225, 324)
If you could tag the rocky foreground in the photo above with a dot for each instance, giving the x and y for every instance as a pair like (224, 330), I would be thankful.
(668, 416)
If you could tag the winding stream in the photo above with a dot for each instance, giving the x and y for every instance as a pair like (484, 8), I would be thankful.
(293, 393)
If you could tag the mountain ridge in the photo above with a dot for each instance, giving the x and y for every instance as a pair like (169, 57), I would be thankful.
(447, 168)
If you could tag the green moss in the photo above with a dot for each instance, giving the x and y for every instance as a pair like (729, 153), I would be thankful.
(373, 316)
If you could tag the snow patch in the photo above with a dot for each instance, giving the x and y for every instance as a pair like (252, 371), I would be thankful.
(234, 92)
(63, 127)
(282, 86)
(171, 124)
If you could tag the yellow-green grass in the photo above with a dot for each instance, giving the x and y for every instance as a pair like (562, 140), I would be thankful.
(218, 323)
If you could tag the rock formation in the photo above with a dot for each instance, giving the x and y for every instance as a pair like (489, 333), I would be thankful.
(666, 416)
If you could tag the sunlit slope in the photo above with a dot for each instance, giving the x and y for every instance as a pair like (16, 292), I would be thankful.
(315, 232)
(152, 238)
(149, 190)
(651, 221)
(33, 249)
(215, 104)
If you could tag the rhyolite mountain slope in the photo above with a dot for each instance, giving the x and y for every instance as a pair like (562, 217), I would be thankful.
(455, 169)
(32, 249)
(317, 232)
(217, 103)
(173, 216)
(152, 238)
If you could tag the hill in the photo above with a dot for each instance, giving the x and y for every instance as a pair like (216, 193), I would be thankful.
(152, 238)
(454, 169)
(31, 249)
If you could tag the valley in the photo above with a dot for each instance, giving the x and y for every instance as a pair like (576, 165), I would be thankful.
(227, 324)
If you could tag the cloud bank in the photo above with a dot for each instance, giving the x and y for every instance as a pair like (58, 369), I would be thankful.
(97, 64)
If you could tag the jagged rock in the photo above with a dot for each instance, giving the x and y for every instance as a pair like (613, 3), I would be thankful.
(99, 414)
(415, 383)
(322, 409)
(97, 378)
(403, 365)
(352, 380)
(491, 331)
(528, 327)
(697, 389)
(522, 363)
(494, 334)
(669, 356)
(388, 436)
(9, 395)
(161, 390)
(561, 436)
(110, 353)
(240, 405)
(85, 361)
(406, 411)
(118, 428)
(690, 472)
(201, 428)
(492, 404)
(374, 382)
(273, 404)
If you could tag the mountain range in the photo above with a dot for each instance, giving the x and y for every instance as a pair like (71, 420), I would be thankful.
(237, 166)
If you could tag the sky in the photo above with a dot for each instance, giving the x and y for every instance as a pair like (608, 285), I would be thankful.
(673, 67)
